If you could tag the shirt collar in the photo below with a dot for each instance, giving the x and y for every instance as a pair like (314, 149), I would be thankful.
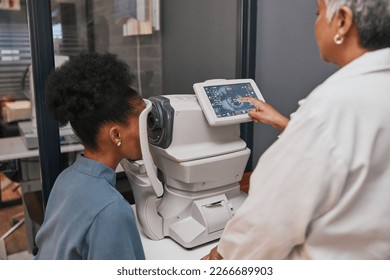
(369, 62)
(95, 169)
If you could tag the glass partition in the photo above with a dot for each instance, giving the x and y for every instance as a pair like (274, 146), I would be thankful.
(170, 45)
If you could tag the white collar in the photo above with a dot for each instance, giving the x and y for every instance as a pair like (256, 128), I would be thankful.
(372, 61)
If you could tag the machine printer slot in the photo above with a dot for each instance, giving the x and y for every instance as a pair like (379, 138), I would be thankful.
(216, 215)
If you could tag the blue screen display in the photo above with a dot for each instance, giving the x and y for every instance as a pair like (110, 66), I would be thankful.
(225, 99)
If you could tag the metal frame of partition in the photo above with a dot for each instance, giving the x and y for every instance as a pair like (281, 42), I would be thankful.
(248, 10)
(42, 57)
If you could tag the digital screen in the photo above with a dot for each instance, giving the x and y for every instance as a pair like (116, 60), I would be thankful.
(225, 99)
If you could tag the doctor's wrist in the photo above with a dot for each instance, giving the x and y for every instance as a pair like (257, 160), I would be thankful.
(281, 123)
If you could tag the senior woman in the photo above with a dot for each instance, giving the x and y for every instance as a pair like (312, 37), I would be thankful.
(321, 191)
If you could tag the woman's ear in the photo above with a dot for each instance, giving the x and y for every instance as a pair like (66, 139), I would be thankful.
(344, 21)
(115, 135)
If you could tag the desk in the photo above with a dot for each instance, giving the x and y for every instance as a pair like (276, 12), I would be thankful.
(167, 249)
(12, 148)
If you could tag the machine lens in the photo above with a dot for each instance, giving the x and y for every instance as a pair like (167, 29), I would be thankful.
(151, 121)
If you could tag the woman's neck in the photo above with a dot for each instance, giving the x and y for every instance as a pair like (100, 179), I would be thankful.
(106, 158)
(351, 55)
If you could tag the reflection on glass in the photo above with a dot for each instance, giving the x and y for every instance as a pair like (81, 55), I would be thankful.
(19, 166)
(14, 50)
(128, 28)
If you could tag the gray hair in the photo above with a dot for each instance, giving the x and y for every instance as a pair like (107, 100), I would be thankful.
(372, 19)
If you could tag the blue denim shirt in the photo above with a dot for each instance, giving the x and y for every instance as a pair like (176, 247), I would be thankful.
(87, 218)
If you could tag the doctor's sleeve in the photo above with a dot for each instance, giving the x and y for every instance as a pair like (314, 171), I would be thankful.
(296, 180)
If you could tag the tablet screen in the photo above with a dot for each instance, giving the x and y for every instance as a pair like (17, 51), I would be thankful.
(225, 99)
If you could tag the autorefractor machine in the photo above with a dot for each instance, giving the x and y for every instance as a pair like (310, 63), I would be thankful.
(187, 184)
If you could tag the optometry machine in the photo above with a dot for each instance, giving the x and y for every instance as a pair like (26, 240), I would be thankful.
(187, 184)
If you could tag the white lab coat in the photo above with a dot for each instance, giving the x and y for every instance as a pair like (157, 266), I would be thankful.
(322, 190)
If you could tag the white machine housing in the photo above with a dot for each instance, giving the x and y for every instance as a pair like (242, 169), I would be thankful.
(187, 185)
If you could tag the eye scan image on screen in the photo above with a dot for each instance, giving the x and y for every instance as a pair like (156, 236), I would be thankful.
(225, 99)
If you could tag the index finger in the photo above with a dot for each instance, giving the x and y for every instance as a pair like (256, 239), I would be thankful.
(248, 99)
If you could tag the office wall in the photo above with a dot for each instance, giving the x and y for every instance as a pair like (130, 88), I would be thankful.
(288, 65)
(142, 53)
(199, 40)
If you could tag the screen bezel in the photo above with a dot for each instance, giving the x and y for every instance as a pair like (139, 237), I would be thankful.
(208, 109)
